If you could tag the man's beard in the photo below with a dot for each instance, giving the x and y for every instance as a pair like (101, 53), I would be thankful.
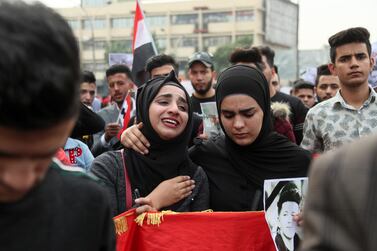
(208, 86)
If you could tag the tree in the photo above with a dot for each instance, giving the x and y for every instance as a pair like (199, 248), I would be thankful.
(118, 46)
(221, 55)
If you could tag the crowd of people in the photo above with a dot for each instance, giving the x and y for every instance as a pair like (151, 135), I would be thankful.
(69, 163)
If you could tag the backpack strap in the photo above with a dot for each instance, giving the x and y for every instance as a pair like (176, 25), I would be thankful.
(127, 182)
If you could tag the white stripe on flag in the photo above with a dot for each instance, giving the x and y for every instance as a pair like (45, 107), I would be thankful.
(142, 36)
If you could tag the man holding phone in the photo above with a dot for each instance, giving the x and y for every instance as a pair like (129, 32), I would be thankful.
(120, 82)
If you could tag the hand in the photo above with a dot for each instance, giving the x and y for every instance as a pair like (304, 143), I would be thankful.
(297, 217)
(134, 139)
(111, 130)
(145, 205)
(203, 136)
(171, 191)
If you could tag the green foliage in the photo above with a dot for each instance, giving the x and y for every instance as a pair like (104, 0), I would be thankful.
(118, 46)
(221, 55)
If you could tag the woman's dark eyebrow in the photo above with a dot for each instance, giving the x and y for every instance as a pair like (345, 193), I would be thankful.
(169, 95)
(182, 100)
(247, 110)
(165, 95)
(240, 111)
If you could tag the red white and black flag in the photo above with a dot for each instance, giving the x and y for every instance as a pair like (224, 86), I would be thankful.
(143, 46)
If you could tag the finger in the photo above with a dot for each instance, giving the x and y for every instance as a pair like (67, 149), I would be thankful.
(203, 136)
(185, 195)
(181, 178)
(143, 201)
(137, 145)
(185, 190)
(140, 125)
(136, 131)
(130, 144)
(143, 209)
(186, 183)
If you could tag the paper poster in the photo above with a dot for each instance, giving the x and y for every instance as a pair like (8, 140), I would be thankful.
(211, 125)
(121, 58)
(373, 75)
(282, 199)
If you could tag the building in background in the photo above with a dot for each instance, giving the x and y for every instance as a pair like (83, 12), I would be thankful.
(180, 27)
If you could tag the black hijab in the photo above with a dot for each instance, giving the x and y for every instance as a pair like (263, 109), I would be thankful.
(270, 155)
(166, 158)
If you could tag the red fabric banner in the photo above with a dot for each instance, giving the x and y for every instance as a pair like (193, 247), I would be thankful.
(218, 231)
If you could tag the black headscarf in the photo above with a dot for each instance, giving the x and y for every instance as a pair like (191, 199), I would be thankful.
(166, 158)
(270, 155)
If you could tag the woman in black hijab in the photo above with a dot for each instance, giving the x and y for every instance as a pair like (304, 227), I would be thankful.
(162, 104)
(250, 152)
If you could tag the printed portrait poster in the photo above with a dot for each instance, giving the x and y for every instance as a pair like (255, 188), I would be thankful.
(211, 125)
(121, 58)
(282, 199)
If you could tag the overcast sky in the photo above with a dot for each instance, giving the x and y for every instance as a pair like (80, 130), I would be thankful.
(319, 19)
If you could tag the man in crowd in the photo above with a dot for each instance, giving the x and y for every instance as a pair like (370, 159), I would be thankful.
(275, 80)
(88, 88)
(161, 65)
(305, 91)
(326, 84)
(247, 56)
(350, 114)
(43, 205)
(298, 109)
(119, 80)
(201, 73)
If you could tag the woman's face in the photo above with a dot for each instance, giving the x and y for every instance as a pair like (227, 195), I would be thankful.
(242, 118)
(168, 112)
(287, 225)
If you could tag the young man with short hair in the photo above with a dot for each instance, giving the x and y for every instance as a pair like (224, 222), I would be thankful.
(247, 56)
(202, 75)
(350, 113)
(88, 88)
(161, 65)
(305, 91)
(119, 80)
(326, 84)
(43, 204)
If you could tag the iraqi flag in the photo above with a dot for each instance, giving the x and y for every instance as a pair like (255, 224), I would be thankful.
(143, 46)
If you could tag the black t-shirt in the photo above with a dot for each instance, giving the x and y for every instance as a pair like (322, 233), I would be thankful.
(66, 211)
(195, 103)
(299, 111)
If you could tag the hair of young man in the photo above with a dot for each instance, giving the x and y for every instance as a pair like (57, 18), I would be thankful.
(268, 53)
(40, 67)
(119, 68)
(160, 60)
(288, 193)
(322, 70)
(302, 84)
(247, 55)
(352, 35)
(88, 77)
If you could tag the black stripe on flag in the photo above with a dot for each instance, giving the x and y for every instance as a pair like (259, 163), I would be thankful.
(141, 55)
